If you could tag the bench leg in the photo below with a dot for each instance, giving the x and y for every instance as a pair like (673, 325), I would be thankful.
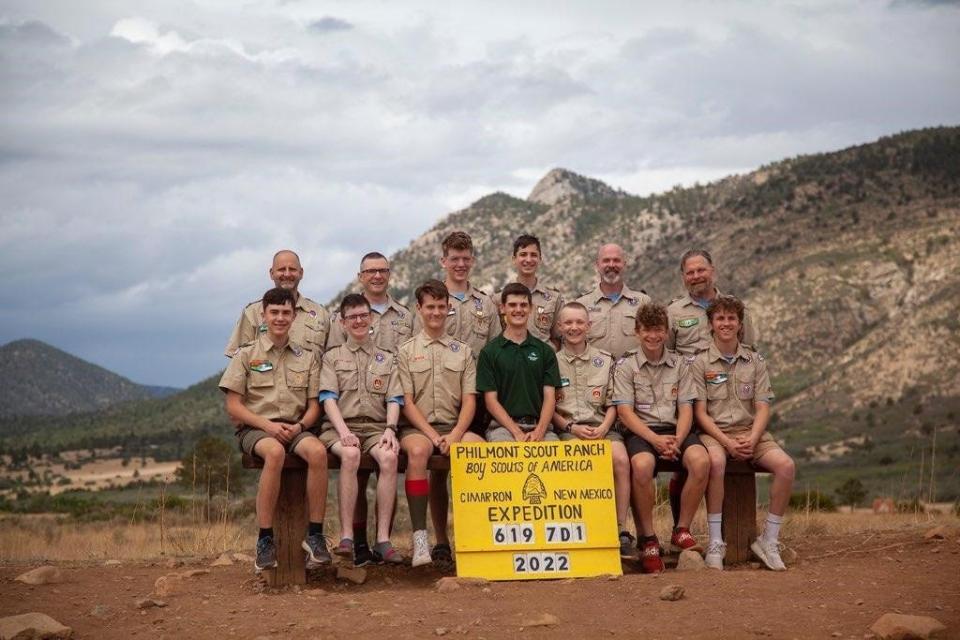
(739, 515)
(290, 526)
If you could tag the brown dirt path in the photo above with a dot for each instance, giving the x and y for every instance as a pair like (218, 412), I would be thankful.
(841, 594)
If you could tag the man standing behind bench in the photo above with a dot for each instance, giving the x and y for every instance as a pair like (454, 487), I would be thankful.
(518, 375)
(439, 379)
(271, 387)
(361, 395)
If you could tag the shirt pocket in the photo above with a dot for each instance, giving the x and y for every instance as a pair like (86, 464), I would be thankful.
(688, 334)
(598, 325)
(629, 323)
(314, 335)
(642, 393)
(377, 378)
(481, 323)
(597, 388)
(347, 378)
(260, 380)
(717, 390)
(297, 377)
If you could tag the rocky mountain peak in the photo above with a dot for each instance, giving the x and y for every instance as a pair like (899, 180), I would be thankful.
(560, 184)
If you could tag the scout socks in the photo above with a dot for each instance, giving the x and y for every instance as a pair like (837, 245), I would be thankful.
(772, 529)
(315, 529)
(265, 533)
(417, 492)
(714, 522)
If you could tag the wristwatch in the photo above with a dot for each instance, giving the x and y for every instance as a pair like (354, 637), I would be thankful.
(392, 427)
(568, 428)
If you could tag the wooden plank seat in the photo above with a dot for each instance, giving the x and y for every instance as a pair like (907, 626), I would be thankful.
(290, 521)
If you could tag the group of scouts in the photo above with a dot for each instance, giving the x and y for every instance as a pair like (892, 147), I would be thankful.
(681, 383)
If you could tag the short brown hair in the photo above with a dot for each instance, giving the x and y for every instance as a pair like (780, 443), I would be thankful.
(457, 240)
(651, 315)
(432, 288)
(725, 303)
(279, 297)
(693, 253)
(515, 289)
(352, 300)
(573, 304)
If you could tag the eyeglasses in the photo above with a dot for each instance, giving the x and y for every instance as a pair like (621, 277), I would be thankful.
(375, 272)
(357, 317)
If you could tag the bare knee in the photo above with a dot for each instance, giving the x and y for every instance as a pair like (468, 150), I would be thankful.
(316, 457)
(787, 469)
(718, 463)
(698, 464)
(272, 452)
(387, 461)
(642, 466)
(349, 458)
(418, 455)
(621, 463)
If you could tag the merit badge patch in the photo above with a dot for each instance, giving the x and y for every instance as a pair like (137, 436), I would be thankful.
(262, 328)
(746, 390)
(596, 393)
(673, 391)
(378, 384)
(564, 382)
(544, 320)
(313, 313)
(454, 346)
(261, 365)
(379, 357)
(686, 323)
(598, 362)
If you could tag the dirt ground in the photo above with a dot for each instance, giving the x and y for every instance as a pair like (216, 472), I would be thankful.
(839, 588)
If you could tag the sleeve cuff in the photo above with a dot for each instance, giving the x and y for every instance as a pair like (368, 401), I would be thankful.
(328, 395)
(396, 399)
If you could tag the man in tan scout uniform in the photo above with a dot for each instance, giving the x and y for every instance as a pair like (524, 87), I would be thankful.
(473, 317)
(732, 389)
(439, 379)
(309, 329)
(689, 331)
(361, 395)
(583, 410)
(547, 301)
(271, 387)
(391, 322)
(612, 305)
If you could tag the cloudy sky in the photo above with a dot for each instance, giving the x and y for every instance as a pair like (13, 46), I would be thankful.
(153, 156)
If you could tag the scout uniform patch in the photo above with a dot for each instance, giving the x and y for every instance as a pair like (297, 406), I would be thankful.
(598, 362)
(564, 382)
(596, 393)
(454, 347)
(261, 365)
(715, 377)
(262, 328)
(686, 323)
(378, 384)
(378, 357)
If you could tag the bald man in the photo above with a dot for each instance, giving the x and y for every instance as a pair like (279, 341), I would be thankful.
(310, 324)
(612, 305)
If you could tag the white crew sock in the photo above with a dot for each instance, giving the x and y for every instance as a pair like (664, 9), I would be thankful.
(714, 523)
(772, 529)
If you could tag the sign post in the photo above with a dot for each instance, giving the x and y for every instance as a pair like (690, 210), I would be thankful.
(534, 510)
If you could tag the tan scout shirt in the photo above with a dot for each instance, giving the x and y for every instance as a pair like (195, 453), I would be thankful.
(437, 373)
(689, 329)
(309, 328)
(475, 320)
(613, 326)
(364, 377)
(545, 305)
(729, 389)
(585, 385)
(652, 388)
(275, 382)
(388, 329)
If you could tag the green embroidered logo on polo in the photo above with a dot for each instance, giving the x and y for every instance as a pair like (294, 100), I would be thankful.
(533, 356)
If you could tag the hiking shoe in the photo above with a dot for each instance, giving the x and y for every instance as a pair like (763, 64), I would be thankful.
(716, 551)
(682, 540)
(442, 557)
(769, 553)
(626, 546)
(421, 548)
(385, 552)
(650, 560)
(345, 548)
(362, 556)
(266, 554)
(316, 548)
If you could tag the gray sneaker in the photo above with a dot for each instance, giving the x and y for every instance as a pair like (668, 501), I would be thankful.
(317, 553)
(769, 553)
(266, 554)
(627, 549)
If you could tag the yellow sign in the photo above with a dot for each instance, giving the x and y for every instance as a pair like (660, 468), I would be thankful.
(534, 510)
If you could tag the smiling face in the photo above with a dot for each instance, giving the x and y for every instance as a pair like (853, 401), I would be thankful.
(574, 325)
(356, 322)
(286, 271)
(526, 261)
(374, 277)
(610, 264)
(516, 310)
(433, 312)
(652, 339)
(457, 264)
(278, 318)
(725, 326)
(698, 277)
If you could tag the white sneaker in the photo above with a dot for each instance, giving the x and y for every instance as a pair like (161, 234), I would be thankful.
(768, 552)
(716, 551)
(421, 548)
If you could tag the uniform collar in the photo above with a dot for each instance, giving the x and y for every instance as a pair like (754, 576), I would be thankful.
(502, 341)
(355, 346)
(266, 344)
(425, 340)
(396, 306)
(626, 293)
(714, 354)
(669, 358)
(570, 357)
(687, 299)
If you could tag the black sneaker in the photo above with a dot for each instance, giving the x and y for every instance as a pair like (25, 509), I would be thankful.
(266, 554)
(442, 557)
(627, 542)
(317, 553)
(362, 556)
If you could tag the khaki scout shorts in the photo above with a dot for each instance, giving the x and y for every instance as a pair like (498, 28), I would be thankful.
(248, 437)
(407, 430)
(497, 433)
(613, 435)
(765, 446)
(368, 434)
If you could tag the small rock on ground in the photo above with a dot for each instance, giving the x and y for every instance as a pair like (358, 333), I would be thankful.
(441, 631)
(356, 575)
(937, 533)
(149, 603)
(242, 558)
(112, 563)
(100, 611)
(223, 561)
(897, 626)
(33, 625)
(690, 561)
(543, 620)
(672, 592)
(447, 584)
(789, 557)
(41, 575)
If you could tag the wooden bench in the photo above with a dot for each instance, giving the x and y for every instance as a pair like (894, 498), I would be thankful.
(290, 521)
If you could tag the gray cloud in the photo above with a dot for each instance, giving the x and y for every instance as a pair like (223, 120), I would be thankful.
(327, 24)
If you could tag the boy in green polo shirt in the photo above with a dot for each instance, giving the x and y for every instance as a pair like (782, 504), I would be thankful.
(518, 375)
